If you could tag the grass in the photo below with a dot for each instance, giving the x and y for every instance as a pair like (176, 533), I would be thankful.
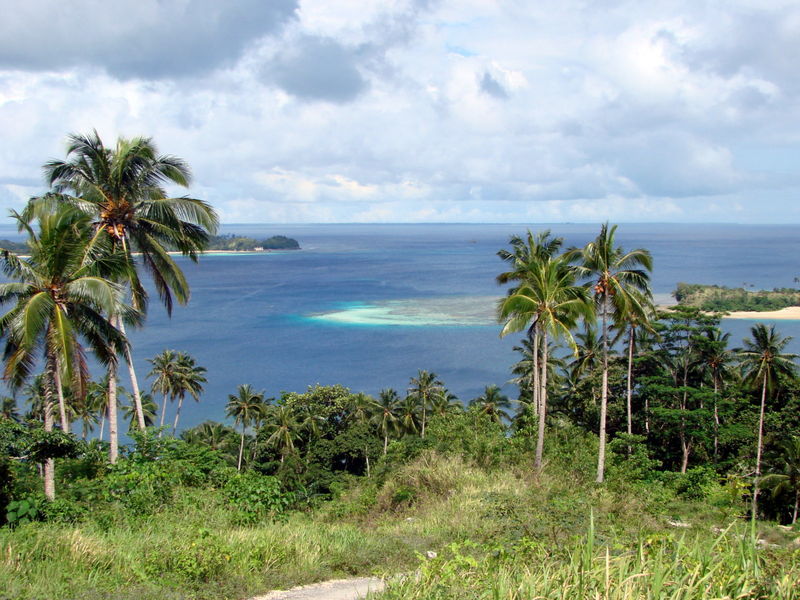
(499, 532)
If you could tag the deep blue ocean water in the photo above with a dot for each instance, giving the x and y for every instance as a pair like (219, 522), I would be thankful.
(247, 321)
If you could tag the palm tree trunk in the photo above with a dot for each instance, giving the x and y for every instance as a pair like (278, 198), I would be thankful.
(103, 413)
(537, 465)
(137, 397)
(630, 385)
(113, 452)
(535, 358)
(601, 453)
(366, 457)
(716, 419)
(630, 381)
(177, 415)
(424, 406)
(49, 463)
(62, 405)
(241, 450)
(796, 506)
(760, 444)
(163, 414)
(385, 443)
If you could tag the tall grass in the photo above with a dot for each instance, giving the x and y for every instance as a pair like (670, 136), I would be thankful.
(659, 568)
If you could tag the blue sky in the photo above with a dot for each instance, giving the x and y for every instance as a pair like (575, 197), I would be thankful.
(422, 110)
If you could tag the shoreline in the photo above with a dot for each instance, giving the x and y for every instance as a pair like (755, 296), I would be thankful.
(790, 313)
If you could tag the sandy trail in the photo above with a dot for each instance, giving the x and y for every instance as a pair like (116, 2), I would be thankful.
(337, 589)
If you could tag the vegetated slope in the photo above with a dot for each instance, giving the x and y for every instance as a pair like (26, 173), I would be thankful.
(171, 521)
(722, 298)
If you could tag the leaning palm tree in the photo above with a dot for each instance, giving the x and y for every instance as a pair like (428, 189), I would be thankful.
(620, 283)
(423, 387)
(764, 363)
(550, 298)
(245, 407)
(121, 188)
(59, 302)
(190, 380)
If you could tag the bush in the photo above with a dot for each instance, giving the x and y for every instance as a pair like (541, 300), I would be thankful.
(257, 497)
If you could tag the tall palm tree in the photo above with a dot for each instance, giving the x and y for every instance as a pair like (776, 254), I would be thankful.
(620, 284)
(149, 407)
(245, 406)
(764, 363)
(714, 357)
(361, 409)
(630, 317)
(422, 389)
(408, 415)
(493, 403)
(385, 417)
(121, 188)
(165, 371)
(525, 257)
(190, 380)
(551, 298)
(60, 301)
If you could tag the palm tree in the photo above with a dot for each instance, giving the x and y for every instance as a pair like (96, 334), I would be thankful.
(713, 356)
(525, 257)
(216, 436)
(60, 300)
(245, 407)
(621, 284)
(764, 362)
(190, 380)
(787, 480)
(445, 403)
(361, 410)
(283, 428)
(631, 317)
(551, 299)
(385, 417)
(408, 415)
(8, 408)
(493, 403)
(149, 407)
(165, 371)
(423, 387)
(121, 189)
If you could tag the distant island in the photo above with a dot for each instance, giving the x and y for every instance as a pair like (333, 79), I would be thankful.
(228, 242)
(725, 299)
(240, 243)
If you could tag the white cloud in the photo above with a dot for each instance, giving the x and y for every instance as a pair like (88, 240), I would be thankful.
(407, 111)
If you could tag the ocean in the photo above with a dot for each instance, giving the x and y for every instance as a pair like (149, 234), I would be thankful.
(366, 306)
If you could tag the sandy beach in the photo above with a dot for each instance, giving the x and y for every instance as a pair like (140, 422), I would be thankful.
(792, 313)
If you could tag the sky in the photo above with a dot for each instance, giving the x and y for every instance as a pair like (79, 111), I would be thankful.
(324, 111)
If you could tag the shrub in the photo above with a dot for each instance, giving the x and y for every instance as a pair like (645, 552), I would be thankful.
(257, 497)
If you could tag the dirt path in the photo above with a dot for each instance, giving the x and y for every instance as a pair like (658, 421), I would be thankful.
(337, 589)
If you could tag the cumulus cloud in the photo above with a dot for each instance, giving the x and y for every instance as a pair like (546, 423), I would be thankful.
(135, 38)
(317, 68)
(400, 110)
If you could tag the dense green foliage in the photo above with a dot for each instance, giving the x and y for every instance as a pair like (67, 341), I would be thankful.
(242, 243)
(721, 298)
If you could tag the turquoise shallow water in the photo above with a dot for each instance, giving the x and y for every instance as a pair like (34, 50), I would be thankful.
(369, 305)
